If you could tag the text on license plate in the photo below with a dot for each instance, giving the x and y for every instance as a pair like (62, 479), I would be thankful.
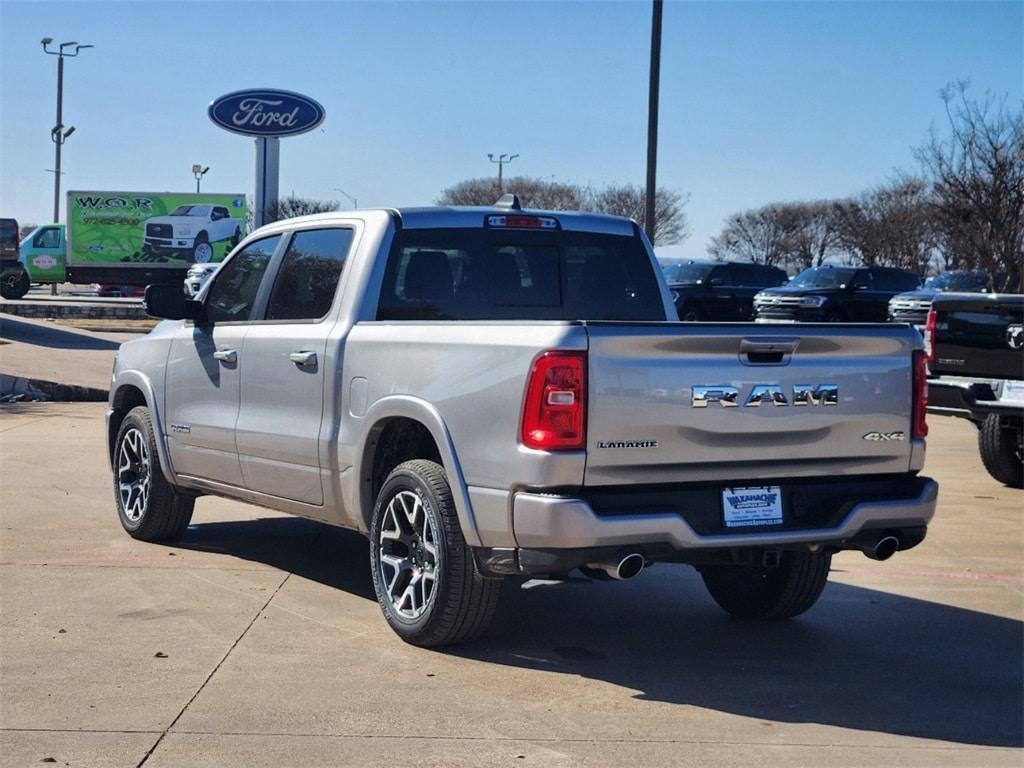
(752, 506)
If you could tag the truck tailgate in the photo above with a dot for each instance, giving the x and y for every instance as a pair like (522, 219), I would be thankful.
(769, 412)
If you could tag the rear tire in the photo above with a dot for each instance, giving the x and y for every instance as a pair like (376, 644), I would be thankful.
(148, 506)
(1000, 445)
(424, 574)
(754, 592)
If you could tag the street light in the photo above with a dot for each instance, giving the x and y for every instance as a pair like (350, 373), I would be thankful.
(503, 160)
(60, 133)
(198, 170)
(355, 203)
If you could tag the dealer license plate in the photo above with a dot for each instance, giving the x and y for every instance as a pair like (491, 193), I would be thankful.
(1013, 391)
(752, 506)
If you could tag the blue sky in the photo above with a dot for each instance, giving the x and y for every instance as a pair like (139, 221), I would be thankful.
(760, 101)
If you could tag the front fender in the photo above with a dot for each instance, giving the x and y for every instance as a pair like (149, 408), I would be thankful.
(133, 378)
(406, 406)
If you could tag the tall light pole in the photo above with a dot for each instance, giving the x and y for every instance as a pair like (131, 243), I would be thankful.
(355, 203)
(652, 121)
(503, 160)
(59, 134)
(198, 170)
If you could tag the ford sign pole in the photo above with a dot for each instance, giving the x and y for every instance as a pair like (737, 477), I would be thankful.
(268, 156)
(266, 114)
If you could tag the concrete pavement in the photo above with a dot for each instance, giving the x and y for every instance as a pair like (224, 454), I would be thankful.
(255, 640)
(37, 349)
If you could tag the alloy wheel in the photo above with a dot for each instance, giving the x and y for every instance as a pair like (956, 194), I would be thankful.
(409, 555)
(133, 474)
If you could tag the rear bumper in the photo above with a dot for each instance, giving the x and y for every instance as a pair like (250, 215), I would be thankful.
(969, 398)
(557, 522)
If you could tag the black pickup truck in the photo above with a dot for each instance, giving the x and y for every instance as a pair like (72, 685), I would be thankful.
(976, 362)
(13, 278)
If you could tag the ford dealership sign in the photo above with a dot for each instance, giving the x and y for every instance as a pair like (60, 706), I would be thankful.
(266, 112)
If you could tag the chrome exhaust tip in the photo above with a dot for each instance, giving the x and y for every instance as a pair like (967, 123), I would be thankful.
(882, 549)
(623, 569)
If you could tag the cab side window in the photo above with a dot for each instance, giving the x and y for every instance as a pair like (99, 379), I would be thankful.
(47, 238)
(308, 278)
(237, 283)
(721, 276)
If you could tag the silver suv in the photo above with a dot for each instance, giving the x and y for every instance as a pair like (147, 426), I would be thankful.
(492, 392)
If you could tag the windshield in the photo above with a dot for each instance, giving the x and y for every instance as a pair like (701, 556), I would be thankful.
(967, 282)
(822, 277)
(687, 273)
(191, 210)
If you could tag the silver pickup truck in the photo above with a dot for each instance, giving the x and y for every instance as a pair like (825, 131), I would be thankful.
(492, 392)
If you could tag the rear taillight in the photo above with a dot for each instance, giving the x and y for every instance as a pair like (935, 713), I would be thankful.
(555, 410)
(920, 393)
(929, 336)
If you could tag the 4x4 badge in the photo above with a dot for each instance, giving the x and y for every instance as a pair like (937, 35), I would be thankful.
(884, 437)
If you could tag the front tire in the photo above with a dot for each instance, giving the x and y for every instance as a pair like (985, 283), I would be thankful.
(148, 506)
(690, 313)
(202, 251)
(755, 592)
(14, 284)
(1000, 445)
(424, 574)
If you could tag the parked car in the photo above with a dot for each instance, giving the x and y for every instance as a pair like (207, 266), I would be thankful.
(192, 228)
(705, 290)
(197, 276)
(835, 295)
(118, 289)
(14, 282)
(976, 359)
(498, 392)
(912, 306)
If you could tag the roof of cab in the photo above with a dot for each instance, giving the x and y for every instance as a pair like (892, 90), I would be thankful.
(455, 217)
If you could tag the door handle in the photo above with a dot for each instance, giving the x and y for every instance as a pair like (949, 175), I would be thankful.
(303, 359)
(226, 355)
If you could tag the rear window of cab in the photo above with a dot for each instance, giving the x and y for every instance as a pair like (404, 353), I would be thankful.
(506, 274)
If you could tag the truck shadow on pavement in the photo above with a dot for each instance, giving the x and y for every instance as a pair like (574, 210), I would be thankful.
(53, 337)
(861, 659)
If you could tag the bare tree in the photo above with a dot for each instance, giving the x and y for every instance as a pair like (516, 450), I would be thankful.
(630, 200)
(761, 235)
(26, 230)
(812, 235)
(620, 200)
(890, 225)
(290, 207)
(533, 193)
(977, 176)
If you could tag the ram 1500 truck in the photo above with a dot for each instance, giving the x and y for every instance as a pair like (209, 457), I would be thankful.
(976, 358)
(492, 392)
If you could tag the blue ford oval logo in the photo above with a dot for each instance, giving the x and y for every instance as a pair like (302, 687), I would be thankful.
(266, 112)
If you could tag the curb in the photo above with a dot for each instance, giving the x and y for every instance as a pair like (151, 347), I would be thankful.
(81, 311)
(18, 388)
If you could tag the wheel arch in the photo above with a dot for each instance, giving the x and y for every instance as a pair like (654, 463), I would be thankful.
(401, 426)
(132, 389)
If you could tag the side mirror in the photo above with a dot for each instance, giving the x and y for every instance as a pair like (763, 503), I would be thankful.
(169, 303)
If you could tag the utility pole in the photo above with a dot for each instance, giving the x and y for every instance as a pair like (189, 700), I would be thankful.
(652, 120)
(503, 160)
(59, 134)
